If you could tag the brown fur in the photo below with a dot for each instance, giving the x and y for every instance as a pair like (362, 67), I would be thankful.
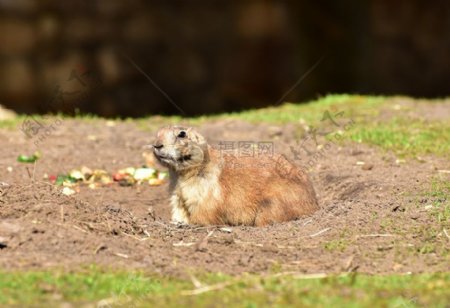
(209, 188)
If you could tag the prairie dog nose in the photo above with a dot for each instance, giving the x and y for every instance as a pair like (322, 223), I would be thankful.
(158, 146)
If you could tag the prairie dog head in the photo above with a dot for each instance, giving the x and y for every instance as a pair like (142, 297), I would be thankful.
(180, 148)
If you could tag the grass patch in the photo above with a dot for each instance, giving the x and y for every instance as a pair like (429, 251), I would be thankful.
(141, 290)
(12, 123)
(309, 112)
(439, 195)
(436, 201)
(405, 137)
(336, 245)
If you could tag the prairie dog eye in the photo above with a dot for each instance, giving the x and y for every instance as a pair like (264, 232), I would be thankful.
(182, 134)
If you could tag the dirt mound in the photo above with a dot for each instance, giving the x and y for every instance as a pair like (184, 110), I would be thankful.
(373, 216)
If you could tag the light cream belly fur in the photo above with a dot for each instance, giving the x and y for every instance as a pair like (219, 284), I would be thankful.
(194, 199)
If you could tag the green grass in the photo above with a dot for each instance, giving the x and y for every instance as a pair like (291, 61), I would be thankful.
(440, 197)
(404, 136)
(139, 290)
(336, 245)
(309, 112)
(12, 123)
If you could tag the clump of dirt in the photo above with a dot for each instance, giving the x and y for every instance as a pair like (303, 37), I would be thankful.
(373, 220)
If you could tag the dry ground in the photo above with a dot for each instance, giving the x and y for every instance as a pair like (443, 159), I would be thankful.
(374, 218)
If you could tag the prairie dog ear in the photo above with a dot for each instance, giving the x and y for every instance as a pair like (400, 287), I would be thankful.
(194, 136)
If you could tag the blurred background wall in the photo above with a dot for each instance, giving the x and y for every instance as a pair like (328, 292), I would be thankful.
(215, 55)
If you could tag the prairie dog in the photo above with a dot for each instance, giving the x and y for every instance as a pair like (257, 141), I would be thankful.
(212, 188)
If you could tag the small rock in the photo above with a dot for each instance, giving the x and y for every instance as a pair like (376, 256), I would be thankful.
(128, 181)
(414, 216)
(367, 167)
(3, 242)
(9, 228)
(228, 239)
(113, 208)
(398, 208)
(270, 248)
(202, 244)
(151, 212)
(68, 191)
(226, 230)
(420, 159)
(356, 152)
(385, 248)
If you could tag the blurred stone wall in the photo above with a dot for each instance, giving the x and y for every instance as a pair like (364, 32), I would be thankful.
(215, 55)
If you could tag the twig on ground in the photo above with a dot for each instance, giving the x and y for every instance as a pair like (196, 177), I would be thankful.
(28, 171)
(226, 229)
(122, 255)
(162, 224)
(247, 243)
(205, 289)
(197, 284)
(183, 244)
(222, 285)
(310, 276)
(297, 275)
(62, 212)
(376, 235)
(99, 247)
(46, 183)
(135, 237)
(444, 171)
(446, 234)
(307, 222)
(107, 302)
(34, 171)
(79, 228)
(320, 232)
(348, 263)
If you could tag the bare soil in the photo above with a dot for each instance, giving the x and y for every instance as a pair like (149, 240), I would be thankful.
(374, 218)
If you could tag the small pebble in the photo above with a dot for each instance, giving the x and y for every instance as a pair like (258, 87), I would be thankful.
(367, 167)
(68, 191)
